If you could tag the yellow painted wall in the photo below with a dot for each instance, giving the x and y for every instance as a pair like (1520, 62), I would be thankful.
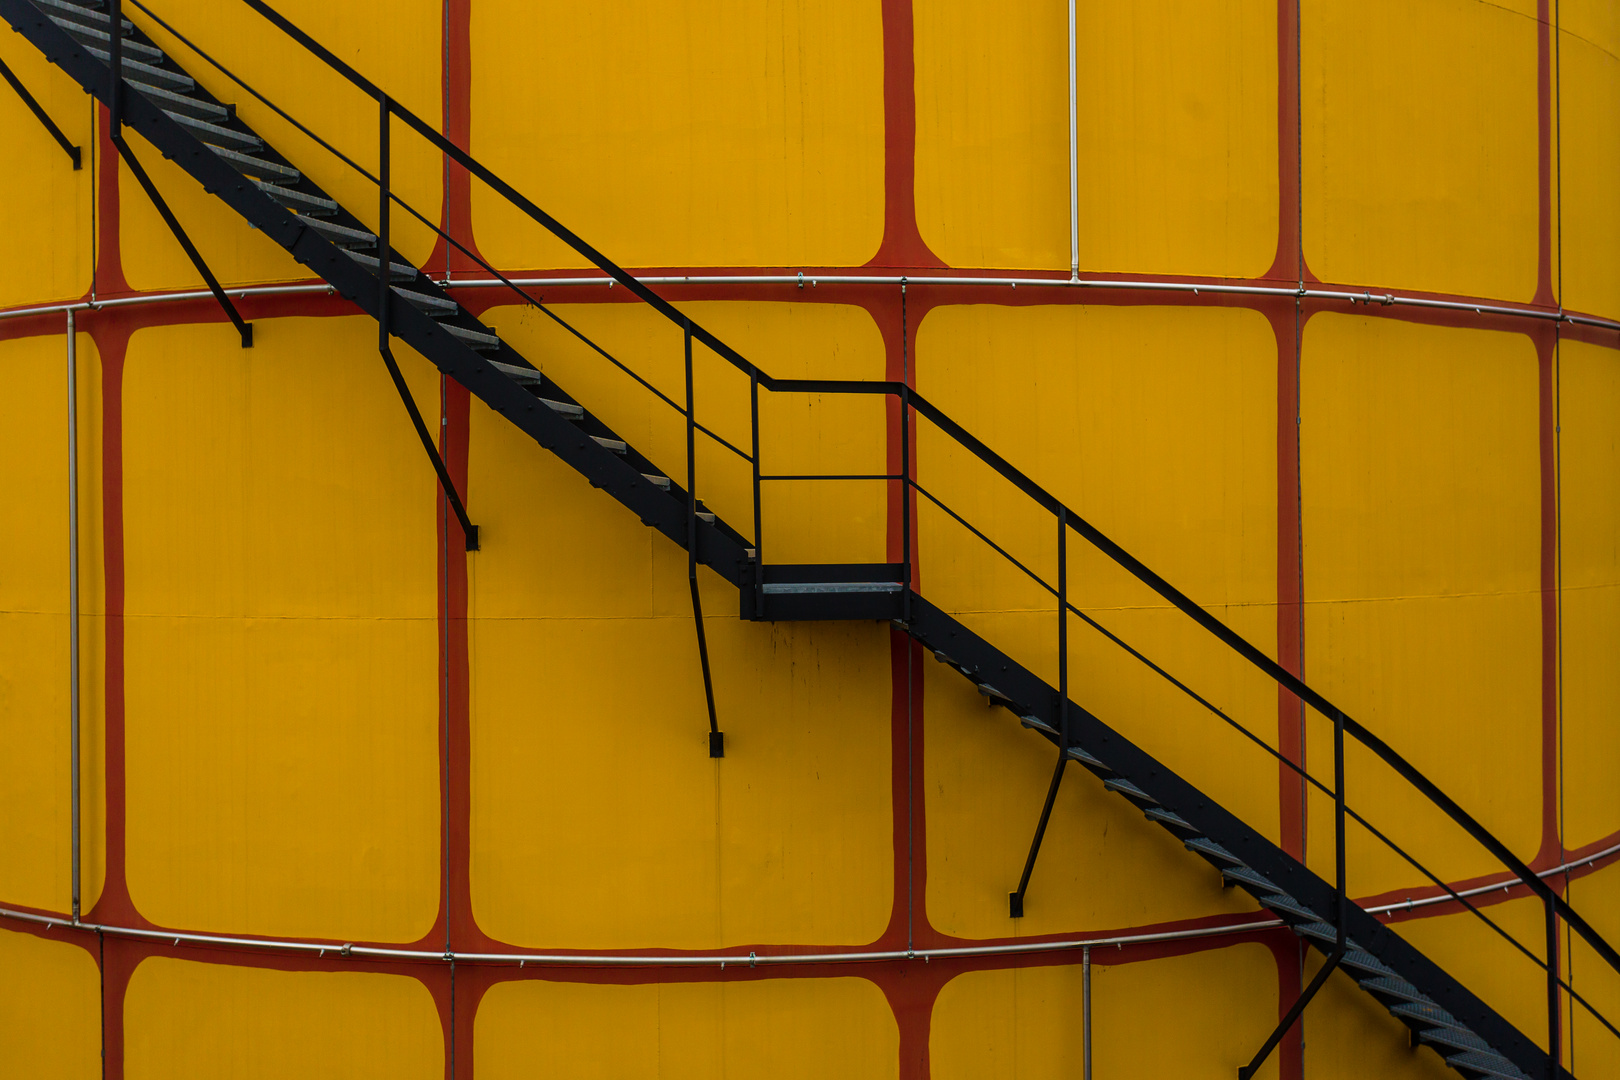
(281, 656)
(402, 52)
(186, 1019)
(1155, 424)
(50, 1008)
(1589, 596)
(1177, 174)
(46, 216)
(581, 638)
(1589, 155)
(788, 1028)
(1418, 154)
(1026, 1024)
(35, 682)
(1421, 528)
(768, 150)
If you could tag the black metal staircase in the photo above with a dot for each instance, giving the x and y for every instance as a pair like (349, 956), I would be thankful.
(207, 139)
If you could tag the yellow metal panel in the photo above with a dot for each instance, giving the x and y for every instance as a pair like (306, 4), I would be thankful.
(1421, 513)
(588, 721)
(1479, 958)
(1206, 1013)
(402, 53)
(1593, 1049)
(50, 1009)
(1589, 597)
(1159, 426)
(184, 1019)
(36, 857)
(767, 149)
(993, 133)
(282, 662)
(786, 1028)
(1177, 136)
(1418, 150)
(48, 209)
(1177, 171)
(1589, 158)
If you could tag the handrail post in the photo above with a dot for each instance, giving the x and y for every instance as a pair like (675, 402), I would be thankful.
(717, 738)
(115, 64)
(1063, 627)
(384, 178)
(759, 514)
(1554, 1010)
(906, 497)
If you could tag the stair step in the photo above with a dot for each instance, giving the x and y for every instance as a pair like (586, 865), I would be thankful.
(1242, 875)
(477, 339)
(1394, 988)
(213, 133)
(618, 447)
(1165, 817)
(252, 166)
(1129, 790)
(1028, 721)
(1318, 931)
(1492, 1064)
(1455, 1039)
(433, 305)
(147, 72)
(307, 205)
(991, 692)
(1283, 904)
(341, 234)
(519, 373)
(564, 408)
(81, 12)
(1427, 1012)
(1208, 848)
(704, 515)
(1361, 960)
(135, 49)
(397, 271)
(659, 482)
(822, 588)
(168, 100)
(1080, 755)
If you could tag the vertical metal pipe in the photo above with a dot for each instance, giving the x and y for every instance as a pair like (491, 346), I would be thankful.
(73, 595)
(905, 501)
(1074, 156)
(1085, 1010)
(115, 58)
(759, 513)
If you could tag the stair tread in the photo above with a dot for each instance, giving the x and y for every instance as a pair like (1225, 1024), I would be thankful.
(80, 11)
(397, 271)
(214, 131)
(477, 338)
(306, 204)
(252, 166)
(99, 33)
(168, 100)
(437, 305)
(1203, 845)
(343, 233)
(185, 82)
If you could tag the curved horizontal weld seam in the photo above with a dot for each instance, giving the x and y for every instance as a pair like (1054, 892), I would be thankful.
(715, 959)
(1363, 297)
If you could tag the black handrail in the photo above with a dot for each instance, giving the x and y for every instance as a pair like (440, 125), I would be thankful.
(910, 399)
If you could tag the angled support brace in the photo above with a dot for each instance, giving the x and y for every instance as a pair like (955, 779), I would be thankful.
(1341, 902)
(717, 738)
(44, 117)
(243, 328)
(384, 331)
(1015, 900)
(116, 109)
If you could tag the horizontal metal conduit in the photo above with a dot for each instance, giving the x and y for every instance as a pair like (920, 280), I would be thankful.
(800, 280)
(722, 960)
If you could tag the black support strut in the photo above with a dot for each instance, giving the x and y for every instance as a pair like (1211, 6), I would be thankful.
(44, 117)
(117, 125)
(385, 331)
